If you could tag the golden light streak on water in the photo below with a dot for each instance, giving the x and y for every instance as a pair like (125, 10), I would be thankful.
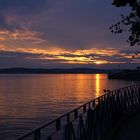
(97, 83)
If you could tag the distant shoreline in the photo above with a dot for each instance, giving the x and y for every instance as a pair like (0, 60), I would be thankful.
(52, 71)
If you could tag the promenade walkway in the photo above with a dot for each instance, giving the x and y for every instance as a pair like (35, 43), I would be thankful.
(129, 129)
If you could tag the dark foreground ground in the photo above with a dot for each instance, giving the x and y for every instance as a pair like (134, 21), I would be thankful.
(130, 129)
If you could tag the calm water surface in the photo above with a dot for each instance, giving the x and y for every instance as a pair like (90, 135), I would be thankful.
(27, 101)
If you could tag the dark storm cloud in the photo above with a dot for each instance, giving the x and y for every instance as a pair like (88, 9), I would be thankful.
(18, 54)
(27, 55)
(130, 51)
(115, 58)
(20, 59)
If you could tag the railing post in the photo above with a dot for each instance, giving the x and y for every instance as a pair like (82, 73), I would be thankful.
(76, 114)
(69, 133)
(139, 94)
(37, 135)
(49, 138)
(84, 108)
(80, 129)
(89, 124)
(58, 124)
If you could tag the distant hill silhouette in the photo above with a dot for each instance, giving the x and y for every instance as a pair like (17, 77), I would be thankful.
(50, 71)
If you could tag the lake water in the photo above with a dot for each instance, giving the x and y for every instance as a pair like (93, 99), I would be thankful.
(27, 101)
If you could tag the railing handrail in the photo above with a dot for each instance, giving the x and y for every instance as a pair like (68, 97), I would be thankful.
(72, 111)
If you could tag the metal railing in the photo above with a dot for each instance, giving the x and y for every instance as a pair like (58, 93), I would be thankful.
(90, 121)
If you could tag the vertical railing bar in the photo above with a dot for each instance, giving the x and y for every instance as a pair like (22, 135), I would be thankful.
(49, 138)
(84, 108)
(68, 118)
(76, 114)
(89, 105)
(58, 124)
(37, 135)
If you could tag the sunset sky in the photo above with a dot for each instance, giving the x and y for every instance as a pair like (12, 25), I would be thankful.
(62, 34)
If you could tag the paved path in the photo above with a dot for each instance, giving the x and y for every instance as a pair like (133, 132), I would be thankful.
(129, 130)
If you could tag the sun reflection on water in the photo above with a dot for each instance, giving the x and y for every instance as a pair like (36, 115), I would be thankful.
(97, 83)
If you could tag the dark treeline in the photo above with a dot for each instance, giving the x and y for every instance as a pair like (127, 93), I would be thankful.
(49, 71)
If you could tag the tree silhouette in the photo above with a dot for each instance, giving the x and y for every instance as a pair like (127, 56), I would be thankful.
(130, 22)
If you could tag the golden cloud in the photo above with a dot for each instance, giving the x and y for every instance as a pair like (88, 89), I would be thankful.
(21, 34)
(84, 56)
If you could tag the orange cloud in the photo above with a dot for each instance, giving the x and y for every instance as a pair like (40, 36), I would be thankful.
(87, 56)
(2, 38)
(109, 51)
(21, 34)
